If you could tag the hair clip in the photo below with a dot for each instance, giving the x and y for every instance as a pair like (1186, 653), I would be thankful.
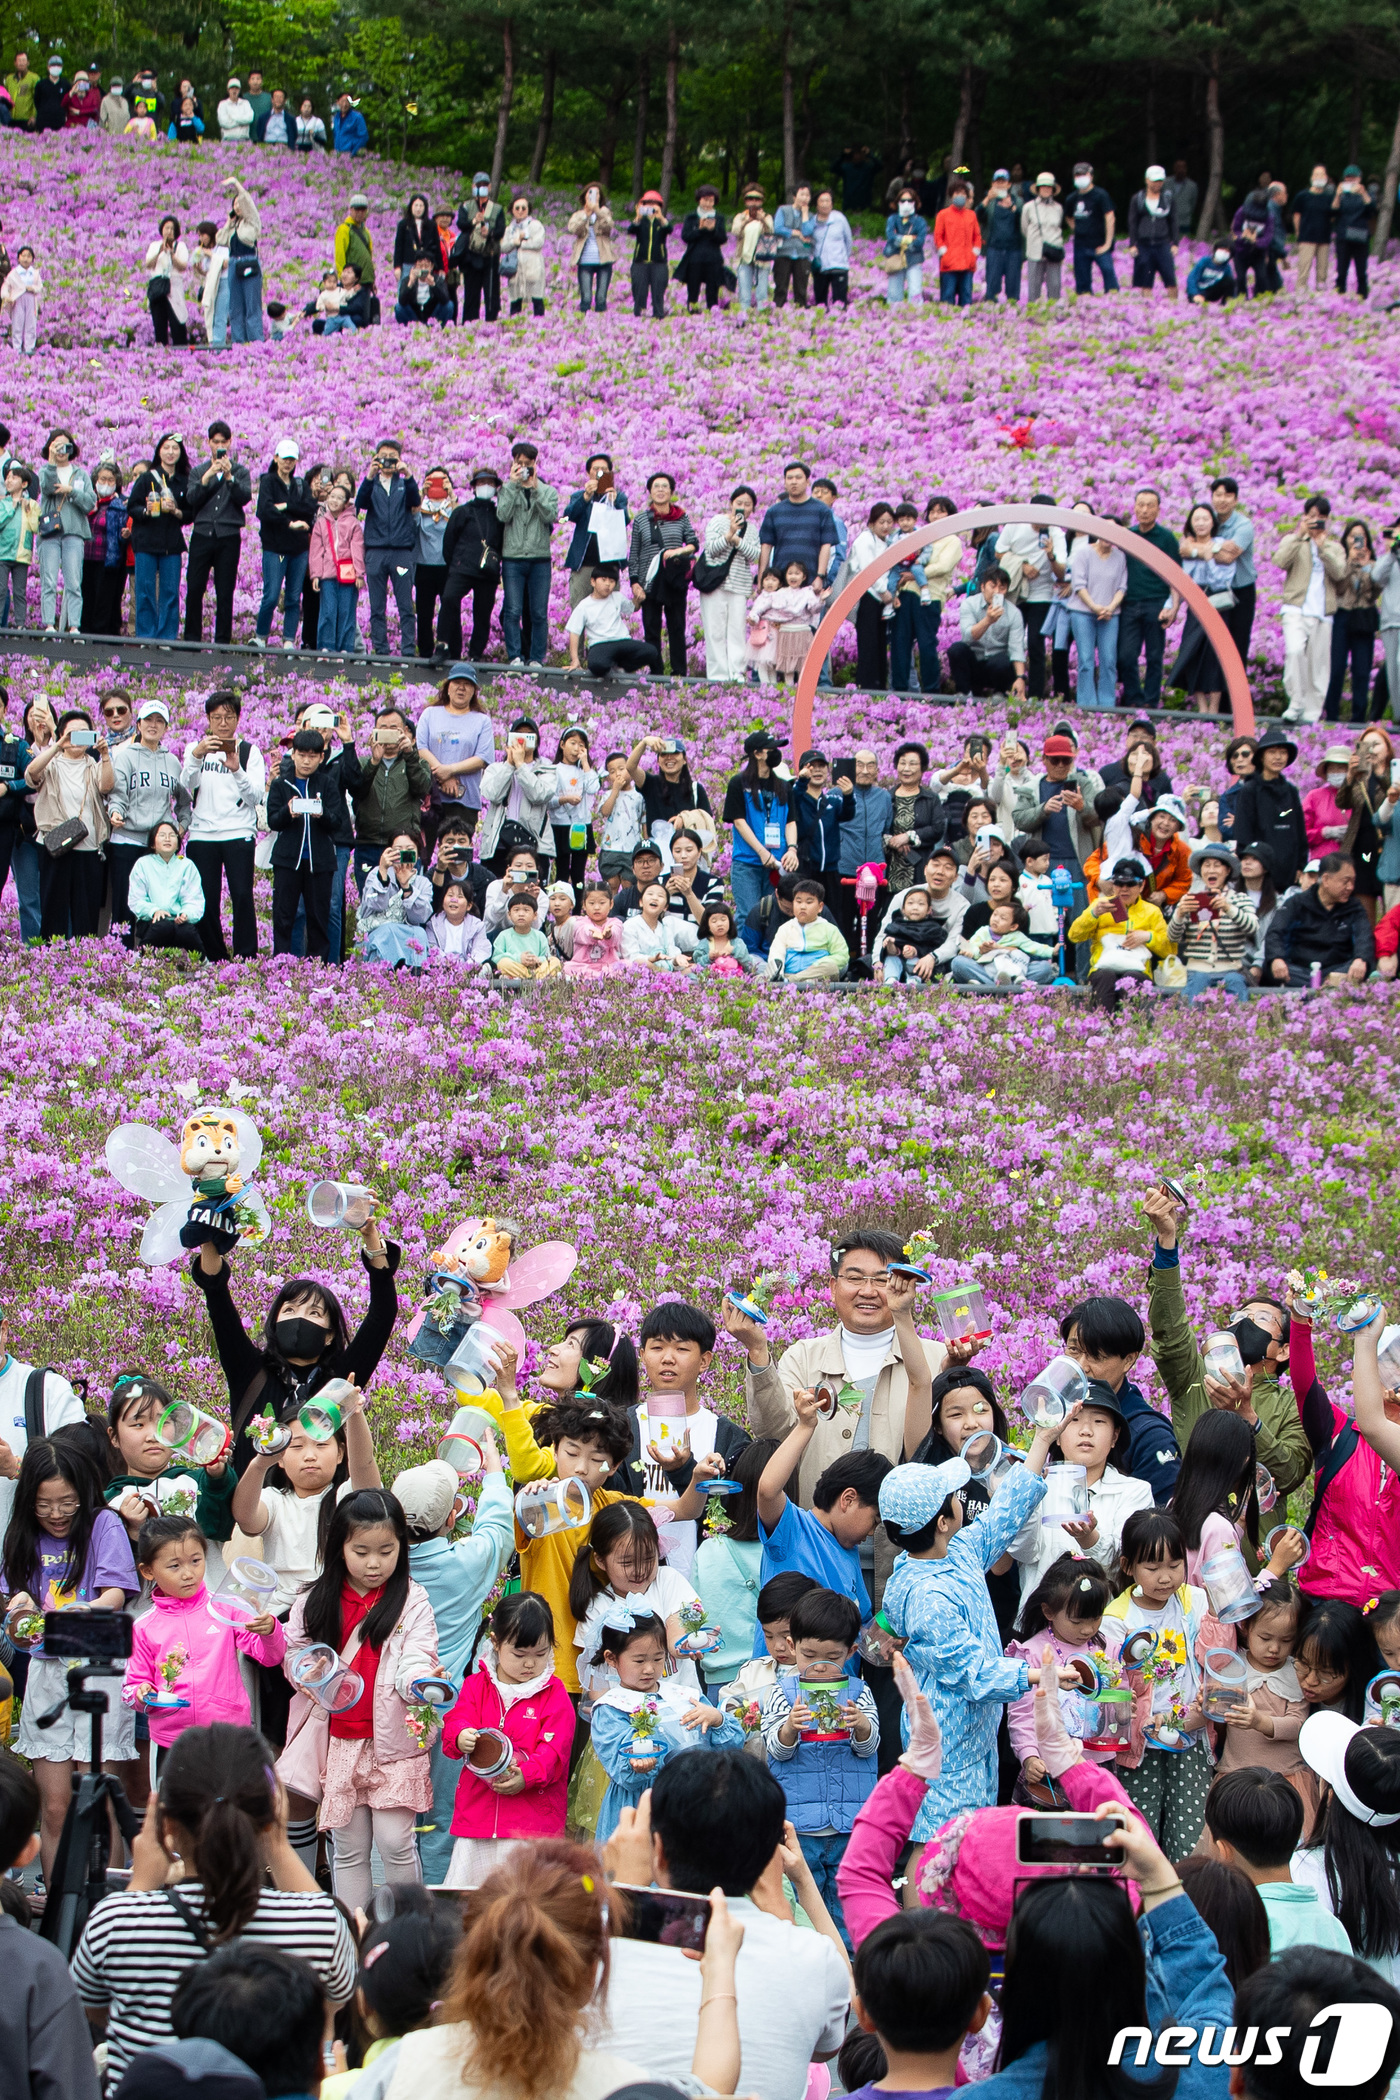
(1085, 1583)
(1369, 1605)
(588, 1882)
(374, 1953)
(619, 1619)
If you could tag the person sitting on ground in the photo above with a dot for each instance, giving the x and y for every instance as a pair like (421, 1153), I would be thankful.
(455, 929)
(521, 951)
(596, 624)
(909, 933)
(1321, 935)
(396, 906)
(1127, 934)
(166, 896)
(808, 949)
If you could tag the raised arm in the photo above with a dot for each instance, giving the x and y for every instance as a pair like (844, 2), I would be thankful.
(918, 1410)
(772, 1483)
(1368, 1394)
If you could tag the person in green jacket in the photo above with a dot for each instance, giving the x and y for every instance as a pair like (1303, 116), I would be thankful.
(1260, 1327)
(527, 509)
(21, 85)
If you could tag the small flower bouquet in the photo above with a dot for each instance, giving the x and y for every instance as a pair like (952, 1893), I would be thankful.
(1319, 1295)
(749, 1716)
(170, 1669)
(646, 1735)
(701, 1635)
(917, 1249)
(423, 1721)
(28, 1629)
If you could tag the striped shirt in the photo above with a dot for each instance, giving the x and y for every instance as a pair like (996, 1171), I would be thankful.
(137, 1947)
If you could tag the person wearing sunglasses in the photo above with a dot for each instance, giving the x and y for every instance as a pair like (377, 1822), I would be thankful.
(118, 717)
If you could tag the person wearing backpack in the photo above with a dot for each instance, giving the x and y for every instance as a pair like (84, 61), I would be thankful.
(34, 1402)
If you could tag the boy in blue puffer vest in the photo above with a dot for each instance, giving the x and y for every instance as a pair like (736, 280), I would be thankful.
(822, 1744)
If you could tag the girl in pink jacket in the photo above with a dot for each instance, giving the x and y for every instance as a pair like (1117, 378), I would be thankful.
(183, 1668)
(597, 948)
(1066, 1607)
(364, 1754)
(513, 1693)
(337, 564)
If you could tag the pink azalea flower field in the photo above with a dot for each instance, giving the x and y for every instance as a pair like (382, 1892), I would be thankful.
(686, 1136)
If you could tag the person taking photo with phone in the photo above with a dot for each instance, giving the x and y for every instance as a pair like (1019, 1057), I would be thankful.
(527, 509)
(217, 493)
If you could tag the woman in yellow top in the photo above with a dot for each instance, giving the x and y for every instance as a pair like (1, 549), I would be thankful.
(1127, 934)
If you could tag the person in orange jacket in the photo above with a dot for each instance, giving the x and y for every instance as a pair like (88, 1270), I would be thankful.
(1162, 842)
(958, 239)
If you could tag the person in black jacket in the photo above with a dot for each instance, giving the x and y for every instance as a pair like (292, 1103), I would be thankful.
(702, 234)
(1353, 216)
(219, 491)
(344, 767)
(1268, 810)
(477, 250)
(1324, 929)
(159, 509)
(650, 229)
(286, 514)
(51, 99)
(1147, 777)
(415, 238)
(306, 812)
(471, 553)
(388, 501)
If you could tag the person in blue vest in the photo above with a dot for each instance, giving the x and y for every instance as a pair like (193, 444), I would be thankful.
(862, 837)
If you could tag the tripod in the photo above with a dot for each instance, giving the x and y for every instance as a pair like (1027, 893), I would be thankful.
(79, 1878)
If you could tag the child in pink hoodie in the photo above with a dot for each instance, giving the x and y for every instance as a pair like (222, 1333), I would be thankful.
(1066, 1606)
(597, 949)
(183, 1669)
(513, 1694)
(337, 565)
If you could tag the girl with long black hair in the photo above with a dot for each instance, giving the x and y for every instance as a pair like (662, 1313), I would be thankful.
(367, 1764)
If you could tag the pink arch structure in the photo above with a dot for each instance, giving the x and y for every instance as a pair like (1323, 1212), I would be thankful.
(1217, 633)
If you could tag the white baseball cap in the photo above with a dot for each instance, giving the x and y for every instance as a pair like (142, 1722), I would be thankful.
(1156, 174)
(288, 448)
(152, 707)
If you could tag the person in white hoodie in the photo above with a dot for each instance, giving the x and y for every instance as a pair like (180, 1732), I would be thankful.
(236, 115)
(225, 778)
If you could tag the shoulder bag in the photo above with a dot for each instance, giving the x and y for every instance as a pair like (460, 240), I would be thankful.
(1050, 251)
(62, 838)
(708, 575)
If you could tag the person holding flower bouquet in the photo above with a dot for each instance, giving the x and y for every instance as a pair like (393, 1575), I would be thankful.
(513, 1692)
(647, 1717)
(179, 1650)
(822, 1745)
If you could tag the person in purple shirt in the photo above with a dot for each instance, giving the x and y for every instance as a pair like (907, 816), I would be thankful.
(459, 741)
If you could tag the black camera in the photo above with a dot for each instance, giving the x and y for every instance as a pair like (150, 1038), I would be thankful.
(98, 1635)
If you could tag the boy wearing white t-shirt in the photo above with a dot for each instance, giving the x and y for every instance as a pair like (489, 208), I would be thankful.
(676, 1348)
(621, 813)
(598, 620)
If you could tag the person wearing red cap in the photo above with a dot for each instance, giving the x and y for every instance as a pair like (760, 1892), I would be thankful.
(649, 229)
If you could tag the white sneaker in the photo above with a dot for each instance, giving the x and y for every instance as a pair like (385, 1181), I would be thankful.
(259, 641)
(517, 663)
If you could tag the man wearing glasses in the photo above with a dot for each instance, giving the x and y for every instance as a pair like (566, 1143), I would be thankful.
(32, 1403)
(880, 1408)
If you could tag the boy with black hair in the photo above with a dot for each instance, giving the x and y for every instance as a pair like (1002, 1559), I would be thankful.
(676, 1346)
(45, 2040)
(1254, 1821)
(776, 1602)
(921, 1987)
(306, 813)
(263, 2006)
(820, 810)
(1105, 1336)
(596, 626)
(808, 949)
(826, 1539)
(822, 1746)
(1289, 1999)
(619, 815)
(576, 1440)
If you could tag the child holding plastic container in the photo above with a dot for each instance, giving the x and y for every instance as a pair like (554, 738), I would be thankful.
(647, 1716)
(1216, 1503)
(1265, 1730)
(153, 1482)
(186, 1647)
(936, 1601)
(459, 1575)
(1096, 1439)
(63, 1548)
(1064, 1610)
(620, 1562)
(1158, 1630)
(287, 1497)
(366, 1761)
(746, 1693)
(822, 1743)
(511, 1707)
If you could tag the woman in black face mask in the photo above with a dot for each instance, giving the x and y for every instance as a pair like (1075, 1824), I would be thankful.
(306, 1338)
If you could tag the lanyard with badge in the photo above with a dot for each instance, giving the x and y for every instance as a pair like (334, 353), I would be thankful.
(772, 827)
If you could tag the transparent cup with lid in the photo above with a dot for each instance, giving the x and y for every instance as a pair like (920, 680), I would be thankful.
(1229, 1585)
(547, 1506)
(1220, 1356)
(470, 1435)
(1050, 1396)
(324, 1415)
(246, 1592)
(199, 1437)
(1382, 1708)
(1066, 1495)
(472, 1366)
(1272, 1538)
(319, 1672)
(340, 1203)
(962, 1313)
(490, 1755)
(666, 1422)
(1226, 1685)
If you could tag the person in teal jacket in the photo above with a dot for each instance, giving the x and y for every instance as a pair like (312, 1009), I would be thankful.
(165, 895)
(458, 1575)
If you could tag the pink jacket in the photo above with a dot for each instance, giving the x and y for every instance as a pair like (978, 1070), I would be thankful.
(334, 540)
(1020, 1716)
(980, 1884)
(597, 949)
(541, 1728)
(409, 1652)
(209, 1678)
(1319, 808)
(1356, 1527)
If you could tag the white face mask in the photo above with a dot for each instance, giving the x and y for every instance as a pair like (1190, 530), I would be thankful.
(485, 492)
(109, 488)
(906, 209)
(1083, 182)
(1336, 776)
(1222, 255)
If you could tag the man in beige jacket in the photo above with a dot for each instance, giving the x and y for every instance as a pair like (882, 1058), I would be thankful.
(1316, 563)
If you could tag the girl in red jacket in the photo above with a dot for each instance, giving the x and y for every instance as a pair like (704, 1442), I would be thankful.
(514, 1692)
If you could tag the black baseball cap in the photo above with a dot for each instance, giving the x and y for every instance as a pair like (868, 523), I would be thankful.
(643, 847)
